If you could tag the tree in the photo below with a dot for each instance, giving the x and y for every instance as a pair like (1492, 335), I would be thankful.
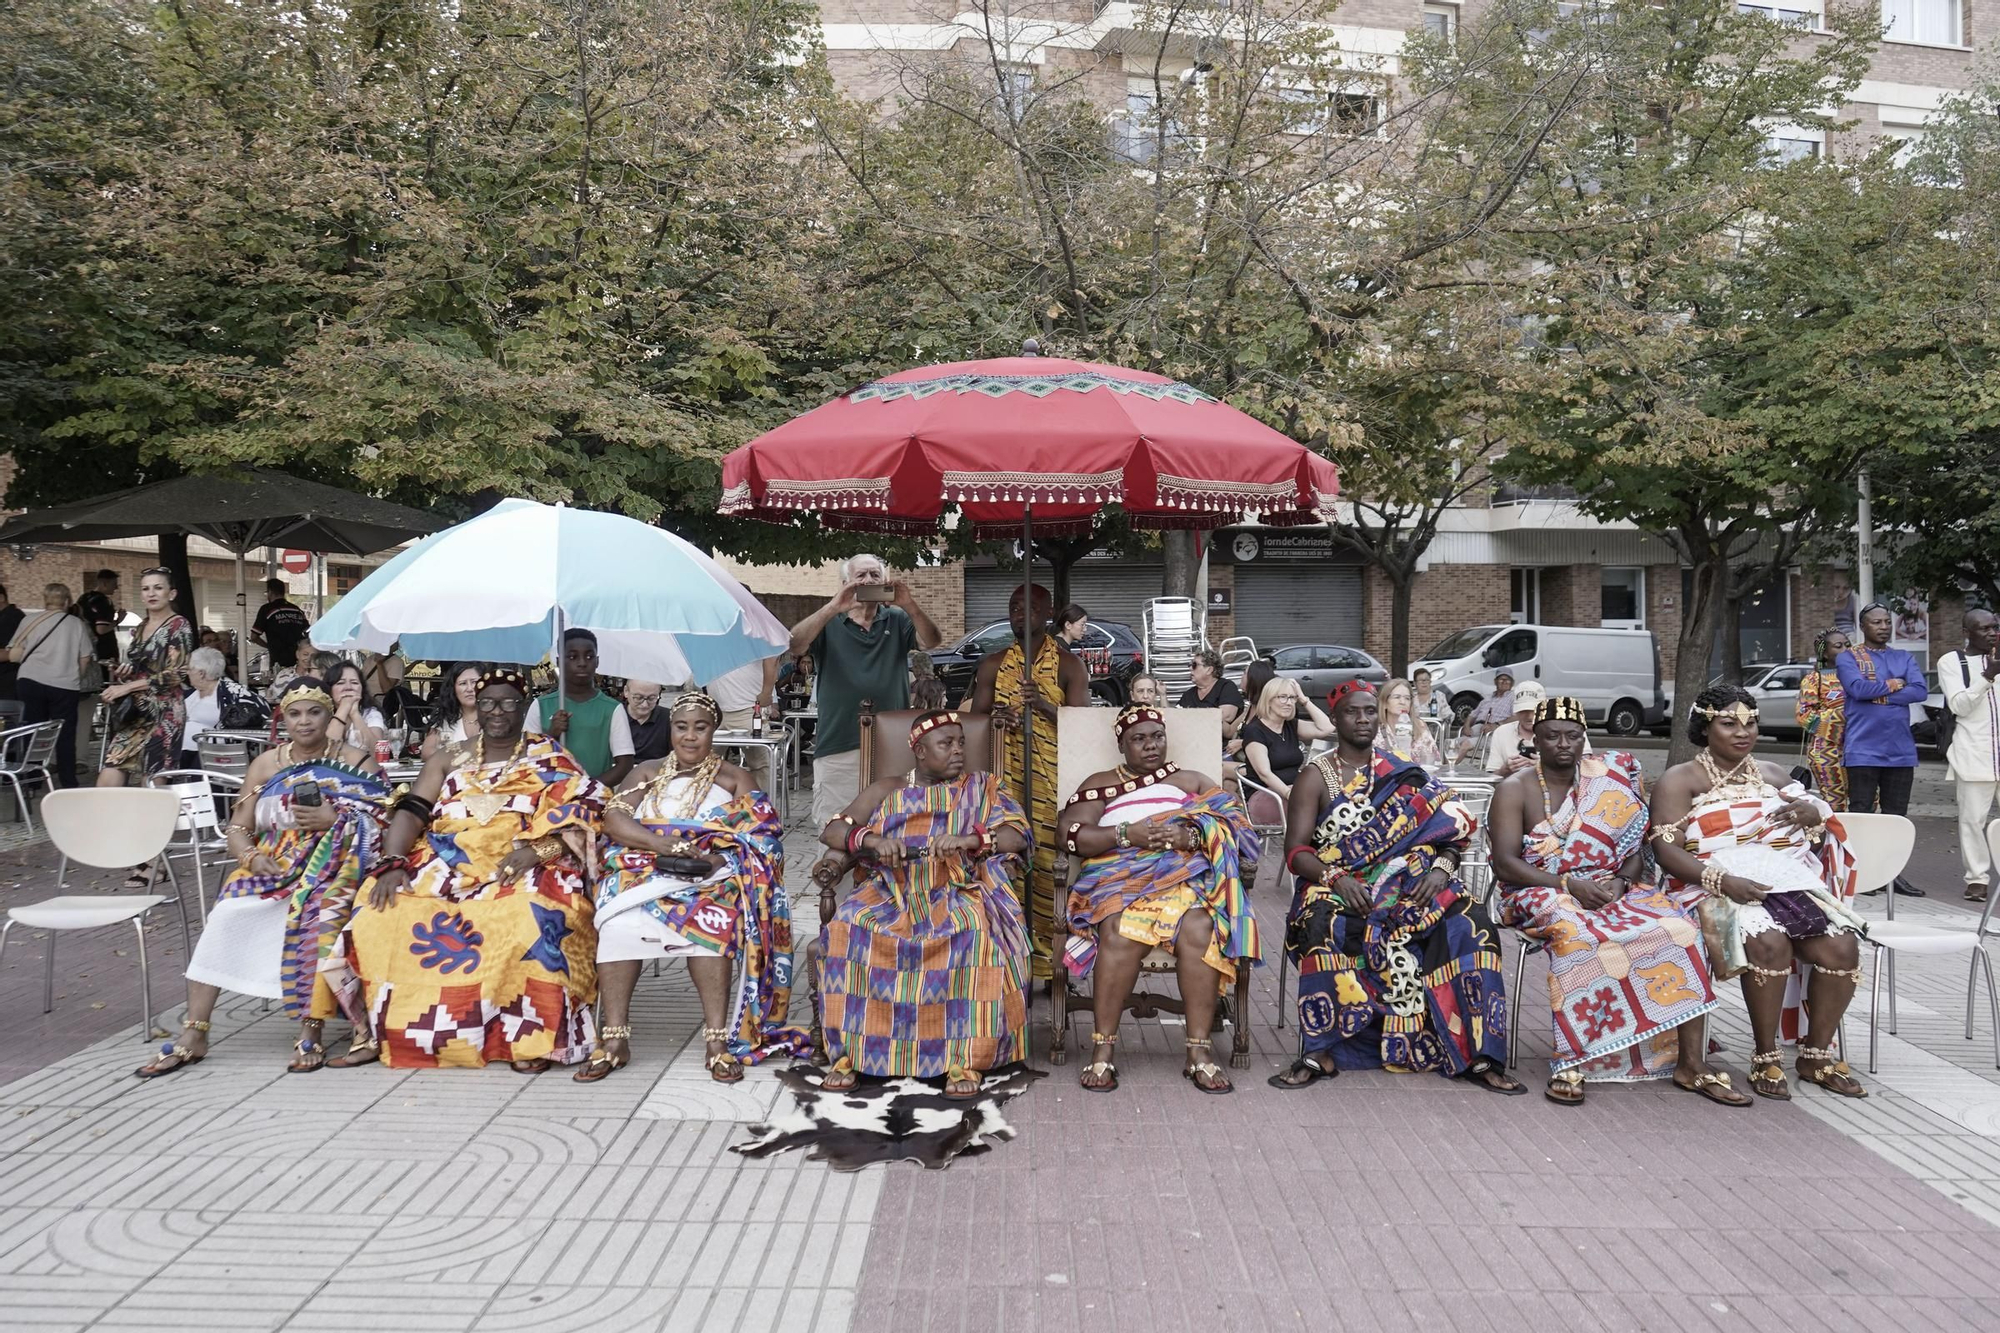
(1693, 307)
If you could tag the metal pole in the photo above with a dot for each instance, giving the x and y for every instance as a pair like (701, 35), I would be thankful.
(1864, 545)
(1027, 705)
(243, 627)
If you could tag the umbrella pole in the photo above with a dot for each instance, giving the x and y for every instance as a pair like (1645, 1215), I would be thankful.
(243, 628)
(1027, 707)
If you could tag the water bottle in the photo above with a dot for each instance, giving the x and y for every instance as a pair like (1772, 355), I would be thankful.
(757, 721)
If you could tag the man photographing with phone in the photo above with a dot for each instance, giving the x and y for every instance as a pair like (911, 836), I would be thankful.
(859, 641)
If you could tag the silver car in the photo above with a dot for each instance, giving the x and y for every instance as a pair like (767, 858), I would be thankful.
(1318, 667)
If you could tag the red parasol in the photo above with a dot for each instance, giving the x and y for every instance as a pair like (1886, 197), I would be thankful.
(996, 438)
(1025, 442)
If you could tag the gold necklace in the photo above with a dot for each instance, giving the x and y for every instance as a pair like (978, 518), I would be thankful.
(1549, 806)
(291, 753)
(1746, 776)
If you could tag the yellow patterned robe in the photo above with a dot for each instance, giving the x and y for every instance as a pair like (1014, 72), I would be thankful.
(1042, 809)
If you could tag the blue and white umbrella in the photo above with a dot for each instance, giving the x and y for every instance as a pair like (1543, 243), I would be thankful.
(502, 587)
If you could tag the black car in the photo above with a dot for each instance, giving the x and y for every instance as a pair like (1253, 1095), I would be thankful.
(1111, 651)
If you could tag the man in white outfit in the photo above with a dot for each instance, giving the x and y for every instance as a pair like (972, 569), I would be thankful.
(1967, 679)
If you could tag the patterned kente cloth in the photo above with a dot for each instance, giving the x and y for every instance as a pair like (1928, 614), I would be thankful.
(1415, 984)
(462, 969)
(1155, 888)
(744, 915)
(1822, 711)
(1042, 811)
(1622, 978)
(926, 963)
(320, 874)
(1735, 824)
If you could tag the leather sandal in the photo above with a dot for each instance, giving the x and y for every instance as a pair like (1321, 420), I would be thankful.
(355, 1048)
(602, 1063)
(725, 1066)
(1711, 1086)
(1827, 1069)
(181, 1056)
(309, 1055)
(958, 1076)
(1217, 1083)
(1565, 1088)
(1767, 1076)
(843, 1069)
(1103, 1069)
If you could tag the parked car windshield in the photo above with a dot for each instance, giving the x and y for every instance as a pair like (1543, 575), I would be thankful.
(1463, 642)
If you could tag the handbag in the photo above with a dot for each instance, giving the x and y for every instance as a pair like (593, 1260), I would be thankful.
(121, 713)
(243, 712)
(22, 655)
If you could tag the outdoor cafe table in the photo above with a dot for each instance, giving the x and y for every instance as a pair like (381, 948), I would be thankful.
(774, 743)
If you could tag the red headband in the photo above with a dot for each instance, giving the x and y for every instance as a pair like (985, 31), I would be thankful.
(930, 722)
(1136, 714)
(1345, 688)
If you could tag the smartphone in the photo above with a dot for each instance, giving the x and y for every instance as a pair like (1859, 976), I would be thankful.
(875, 592)
(306, 792)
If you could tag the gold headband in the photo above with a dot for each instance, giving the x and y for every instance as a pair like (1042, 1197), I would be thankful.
(1735, 712)
(700, 699)
(1135, 714)
(306, 694)
(930, 722)
(1562, 708)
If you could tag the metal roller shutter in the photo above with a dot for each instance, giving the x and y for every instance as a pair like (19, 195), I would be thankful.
(1310, 603)
(1108, 590)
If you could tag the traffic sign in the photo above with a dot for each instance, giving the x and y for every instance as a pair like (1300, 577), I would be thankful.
(296, 562)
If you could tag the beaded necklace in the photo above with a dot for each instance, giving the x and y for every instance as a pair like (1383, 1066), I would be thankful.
(1746, 777)
(1130, 782)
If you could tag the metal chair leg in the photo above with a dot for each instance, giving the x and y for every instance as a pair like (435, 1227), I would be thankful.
(6, 927)
(1892, 991)
(1992, 1003)
(62, 871)
(1284, 970)
(145, 979)
(1875, 1003)
(1514, 1006)
(200, 883)
(49, 973)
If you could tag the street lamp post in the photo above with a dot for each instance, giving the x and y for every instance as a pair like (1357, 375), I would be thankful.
(1864, 546)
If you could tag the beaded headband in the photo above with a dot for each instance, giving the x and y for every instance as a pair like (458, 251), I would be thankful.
(698, 699)
(931, 721)
(1561, 708)
(504, 675)
(1345, 688)
(1136, 714)
(1735, 712)
(306, 694)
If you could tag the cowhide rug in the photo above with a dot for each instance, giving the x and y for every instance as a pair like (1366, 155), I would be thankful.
(887, 1120)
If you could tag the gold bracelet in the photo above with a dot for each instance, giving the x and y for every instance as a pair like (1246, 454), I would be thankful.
(549, 848)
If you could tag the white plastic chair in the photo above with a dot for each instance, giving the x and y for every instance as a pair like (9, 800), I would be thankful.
(26, 757)
(110, 828)
(1881, 845)
(198, 791)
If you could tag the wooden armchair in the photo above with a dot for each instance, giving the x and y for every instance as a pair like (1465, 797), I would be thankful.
(885, 752)
(1089, 745)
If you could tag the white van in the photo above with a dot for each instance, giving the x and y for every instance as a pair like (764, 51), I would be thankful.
(1615, 672)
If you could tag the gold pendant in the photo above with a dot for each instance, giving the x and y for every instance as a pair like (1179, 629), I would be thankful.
(484, 805)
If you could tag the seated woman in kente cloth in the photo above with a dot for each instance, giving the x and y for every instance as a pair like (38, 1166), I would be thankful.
(307, 827)
(479, 946)
(1165, 854)
(1767, 860)
(924, 967)
(1628, 983)
(727, 903)
(1398, 967)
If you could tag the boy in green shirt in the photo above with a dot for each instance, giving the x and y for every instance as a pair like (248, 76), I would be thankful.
(591, 725)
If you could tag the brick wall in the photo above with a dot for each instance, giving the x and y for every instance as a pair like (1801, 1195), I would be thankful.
(1222, 625)
(1573, 595)
(1663, 613)
(1443, 599)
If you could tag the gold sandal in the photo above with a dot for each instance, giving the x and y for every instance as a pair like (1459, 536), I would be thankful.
(181, 1056)
(354, 1048)
(724, 1066)
(1218, 1083)
(1567, 1078)
(1767, 1076)
(602, 1064)
(1831, 1068)
(1100, 1068)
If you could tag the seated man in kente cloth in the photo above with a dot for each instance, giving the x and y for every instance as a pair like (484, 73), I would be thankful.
(1165, 853)
(480, 946)
(675, 824)
(924, 967)
(1398, 967)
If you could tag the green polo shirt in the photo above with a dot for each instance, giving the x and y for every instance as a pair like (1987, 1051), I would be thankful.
(855, 664)
(588, 736)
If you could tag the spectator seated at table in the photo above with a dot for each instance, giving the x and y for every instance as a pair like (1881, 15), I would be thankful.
(924, 967)
(1628, 982)
(275, 931)
(694, 807)
(457, 715)
(216, 703)
(477, 942)
(651, 727)
(1398, 966)
(1487, 714)
(299, 664)
(1165, 851)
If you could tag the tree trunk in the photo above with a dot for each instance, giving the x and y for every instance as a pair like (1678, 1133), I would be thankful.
(1402, 582)
(174, 556)
(1178, 577)
(1729, 633)
(1696, 643)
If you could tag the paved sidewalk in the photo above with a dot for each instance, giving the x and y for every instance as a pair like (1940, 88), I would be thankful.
(235, 1196)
